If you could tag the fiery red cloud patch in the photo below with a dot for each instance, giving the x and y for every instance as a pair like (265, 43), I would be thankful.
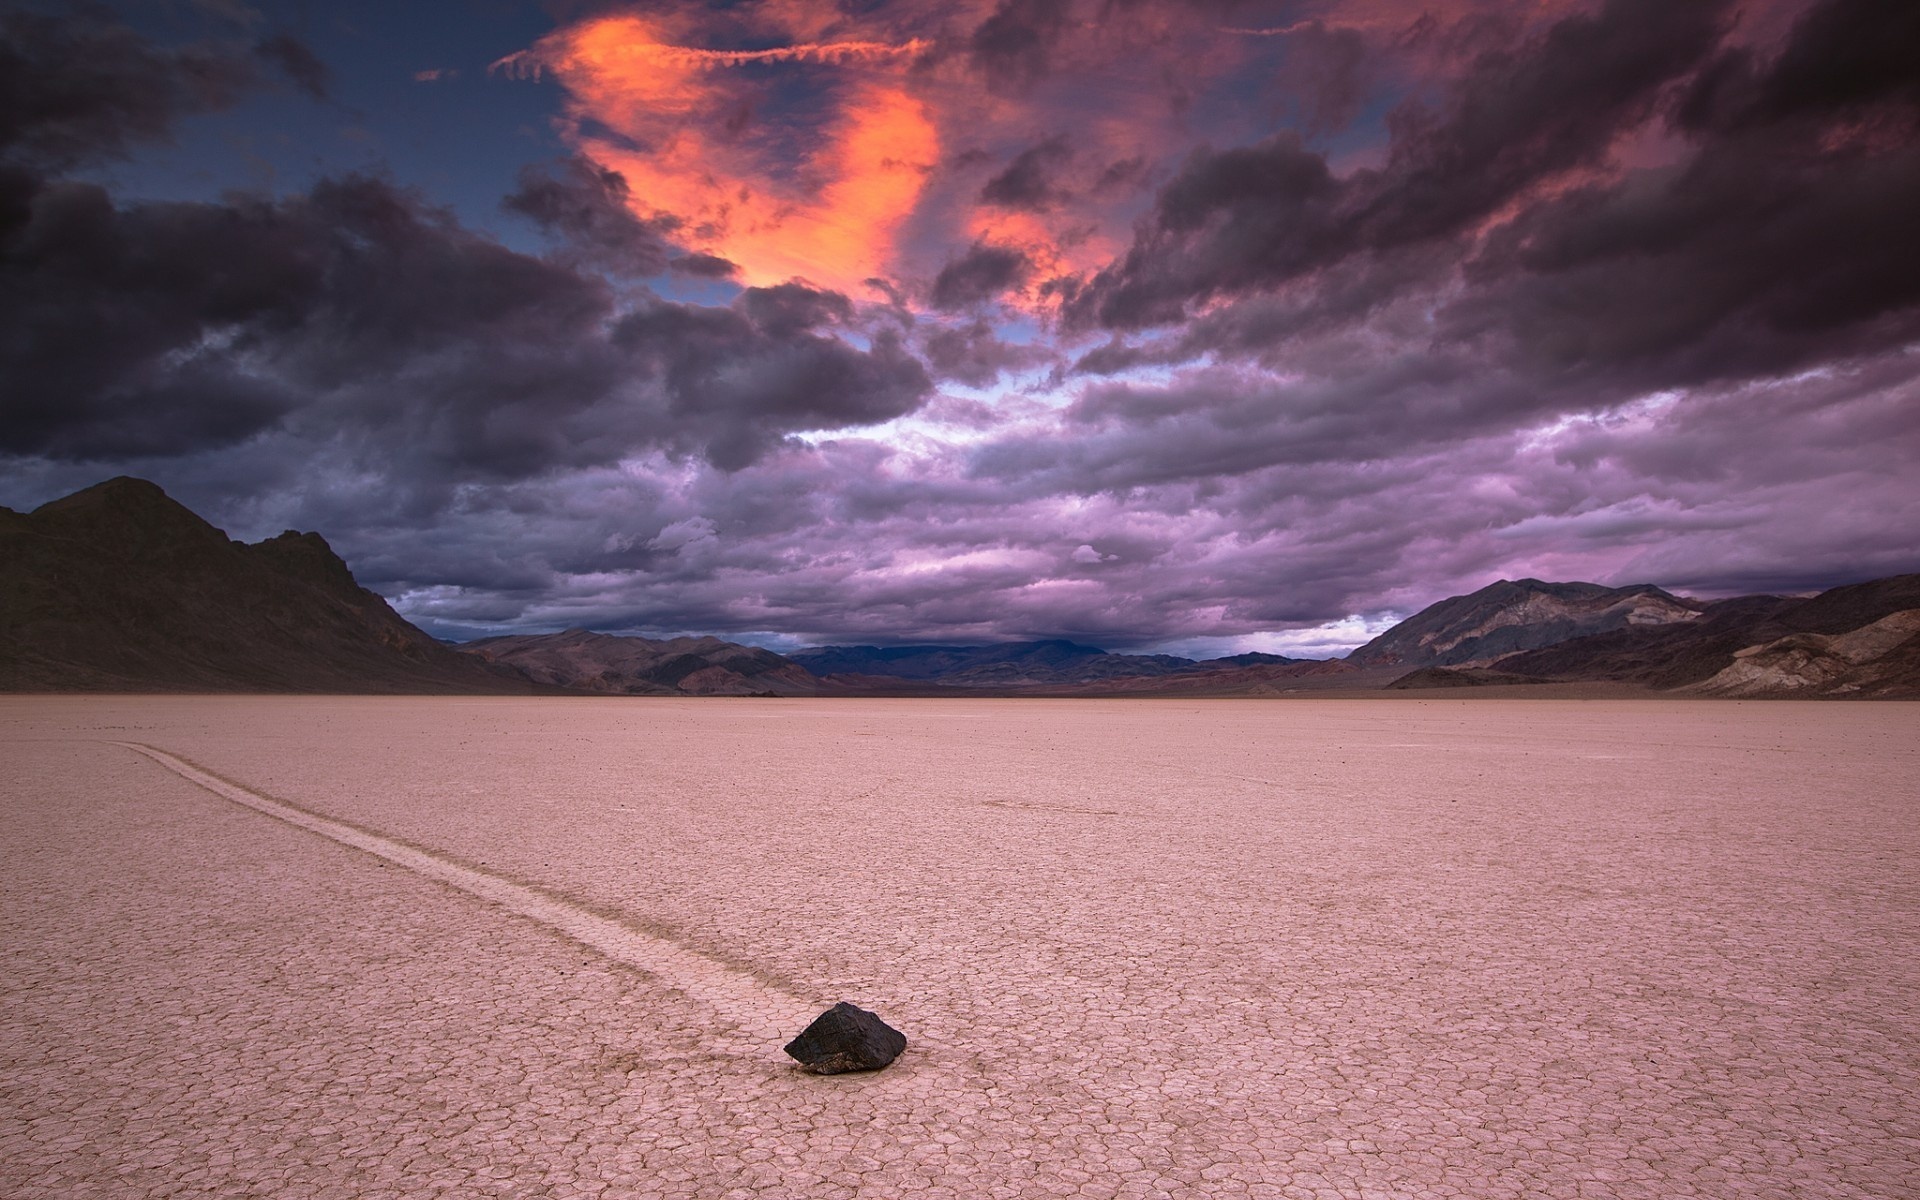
(1015, 143)
(820, 196)
(806, 146)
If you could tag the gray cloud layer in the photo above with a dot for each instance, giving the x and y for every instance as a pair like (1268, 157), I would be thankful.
(1619, 297)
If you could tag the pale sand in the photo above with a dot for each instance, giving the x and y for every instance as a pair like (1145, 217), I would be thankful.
(1193, 948)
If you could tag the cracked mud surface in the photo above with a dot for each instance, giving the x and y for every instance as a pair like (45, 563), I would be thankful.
(1300, 948)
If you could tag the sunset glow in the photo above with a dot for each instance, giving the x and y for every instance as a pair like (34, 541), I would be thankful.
(825, 211)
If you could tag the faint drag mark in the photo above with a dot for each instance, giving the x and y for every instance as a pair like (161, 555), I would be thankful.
(766, 1013)
(1041, 806)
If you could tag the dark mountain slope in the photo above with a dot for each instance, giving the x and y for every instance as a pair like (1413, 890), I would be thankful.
(120, 588)
(1659, 656)
(1855, 640)
(1515, 615)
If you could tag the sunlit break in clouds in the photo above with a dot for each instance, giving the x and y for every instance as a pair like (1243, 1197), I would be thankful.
(819, 194)
(1204, 325)
(905, 147)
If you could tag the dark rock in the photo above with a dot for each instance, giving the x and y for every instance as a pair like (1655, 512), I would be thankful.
(846, 1038)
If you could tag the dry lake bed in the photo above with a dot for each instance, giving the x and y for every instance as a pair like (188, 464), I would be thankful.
(365, 948)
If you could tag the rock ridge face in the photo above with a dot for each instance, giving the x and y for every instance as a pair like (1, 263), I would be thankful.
(1857, 641)
(1515, 615)
(118, 587)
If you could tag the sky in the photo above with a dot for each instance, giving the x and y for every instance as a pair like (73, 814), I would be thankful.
(1195, 326)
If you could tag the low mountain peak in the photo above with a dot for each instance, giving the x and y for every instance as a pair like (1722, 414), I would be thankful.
(127, 511)
(121, 586)
(124, 485)
(1513, 615)
(122, 493)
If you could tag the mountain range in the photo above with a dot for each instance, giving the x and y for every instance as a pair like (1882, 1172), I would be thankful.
(120, 588)
(581, 660)
(1009, 664)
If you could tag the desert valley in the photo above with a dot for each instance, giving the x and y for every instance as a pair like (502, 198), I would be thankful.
(1243, 948)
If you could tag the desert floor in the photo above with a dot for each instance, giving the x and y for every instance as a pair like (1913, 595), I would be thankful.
(326, 947)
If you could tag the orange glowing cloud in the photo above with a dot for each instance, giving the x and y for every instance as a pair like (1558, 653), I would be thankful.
(822, 203)
(839, 148)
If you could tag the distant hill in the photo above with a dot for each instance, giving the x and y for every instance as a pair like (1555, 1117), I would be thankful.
(1514, 615)
(961, 666)
(1225, 677)
(120, 588)
(597, 662)
(1008, 664)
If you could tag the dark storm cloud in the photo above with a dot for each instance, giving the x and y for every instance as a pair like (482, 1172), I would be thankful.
(1111, 358)
(1363, 296)
(703, 266)
(586, 207)
(1233, 220)
(1656, 281)
(1028, 183)
(1609, 283)
(789, 308)
(1844, 56)
(740, 389)
(1013, 46)
(357, 315)
(1655, 277)
(973, 355)
(983, 272)
(76, 90)
(1257, 217)
(1220, 423)
(297, 61)
(357, 307)
(123, 317)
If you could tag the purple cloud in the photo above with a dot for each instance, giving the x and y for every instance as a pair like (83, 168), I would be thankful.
(1624, 293)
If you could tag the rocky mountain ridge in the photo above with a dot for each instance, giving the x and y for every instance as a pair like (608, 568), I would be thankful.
(1513, 615)
(1858, 640)
(120, 588)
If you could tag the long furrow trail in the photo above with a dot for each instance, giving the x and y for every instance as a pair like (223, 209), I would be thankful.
(760, 1010)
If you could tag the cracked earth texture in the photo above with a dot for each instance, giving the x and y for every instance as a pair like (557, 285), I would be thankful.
(327, 947)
